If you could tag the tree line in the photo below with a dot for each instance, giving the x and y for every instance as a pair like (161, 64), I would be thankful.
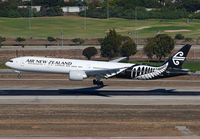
(160, 9)
(10, 8)
(114, 45)
(144, 9)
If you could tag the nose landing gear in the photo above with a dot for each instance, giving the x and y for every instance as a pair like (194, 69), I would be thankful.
(19, 76)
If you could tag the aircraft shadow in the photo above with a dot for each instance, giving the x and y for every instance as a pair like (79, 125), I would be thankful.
(94, 91)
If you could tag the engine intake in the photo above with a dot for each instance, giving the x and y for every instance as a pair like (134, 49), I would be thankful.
(77, 75)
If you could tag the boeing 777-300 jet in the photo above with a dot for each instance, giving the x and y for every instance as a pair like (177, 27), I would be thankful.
(81, 69)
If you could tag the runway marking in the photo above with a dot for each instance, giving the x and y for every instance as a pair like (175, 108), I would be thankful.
(115, 100)
(185, 130)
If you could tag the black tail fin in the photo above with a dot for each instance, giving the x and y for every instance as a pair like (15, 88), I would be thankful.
(176, 61)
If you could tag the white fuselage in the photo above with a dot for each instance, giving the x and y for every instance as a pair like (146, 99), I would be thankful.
(60, 66)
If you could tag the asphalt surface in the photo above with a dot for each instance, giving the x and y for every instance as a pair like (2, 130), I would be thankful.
(116, 91)
(41, 106)
(126, 100)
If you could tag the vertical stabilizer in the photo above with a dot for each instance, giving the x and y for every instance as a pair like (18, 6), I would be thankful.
(177, 60)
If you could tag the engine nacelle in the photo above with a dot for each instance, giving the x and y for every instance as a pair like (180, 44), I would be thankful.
(77, 75)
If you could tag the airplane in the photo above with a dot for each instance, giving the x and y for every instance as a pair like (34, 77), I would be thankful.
(79, 70)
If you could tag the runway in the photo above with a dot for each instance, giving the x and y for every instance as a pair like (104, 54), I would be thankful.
(116, 91)
(54, 107)
(133, 100)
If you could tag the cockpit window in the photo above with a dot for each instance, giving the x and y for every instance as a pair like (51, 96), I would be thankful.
(11, 61)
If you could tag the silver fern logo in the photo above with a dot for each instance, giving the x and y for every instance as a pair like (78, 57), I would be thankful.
(143, 72)
(177, 58)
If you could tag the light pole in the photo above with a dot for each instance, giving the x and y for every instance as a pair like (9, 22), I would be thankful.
(30, 15)
(62, 38)
(85, 17)
(107, 9)
(135, 33)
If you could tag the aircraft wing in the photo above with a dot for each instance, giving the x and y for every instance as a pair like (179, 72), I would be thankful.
(117, 60)
(105, 72)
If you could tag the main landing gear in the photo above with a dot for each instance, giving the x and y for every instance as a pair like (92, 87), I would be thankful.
(98, 82)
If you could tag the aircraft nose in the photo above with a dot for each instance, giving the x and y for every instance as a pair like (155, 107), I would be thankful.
(9, 63)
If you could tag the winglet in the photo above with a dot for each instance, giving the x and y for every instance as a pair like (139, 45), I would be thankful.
(117, 60)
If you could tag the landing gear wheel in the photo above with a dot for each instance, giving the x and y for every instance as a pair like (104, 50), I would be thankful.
(98, 83)
(101, 83)
(19, 76)
(94, 82)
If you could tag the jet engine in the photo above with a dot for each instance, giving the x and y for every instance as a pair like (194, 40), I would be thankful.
(77, 75)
